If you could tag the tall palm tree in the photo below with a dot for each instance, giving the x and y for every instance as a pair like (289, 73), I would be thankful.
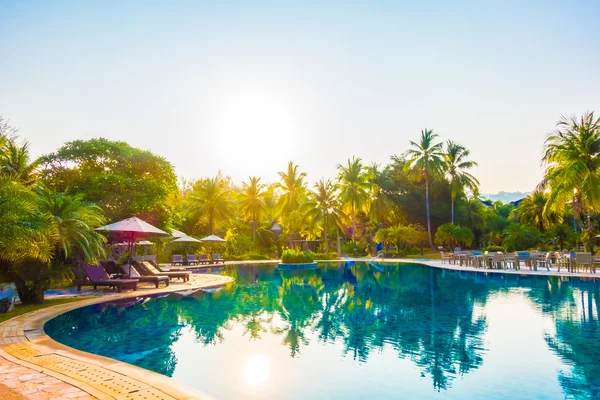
(292, 194)
(379, 204)
(292, 187)
(532, 211)
(354, 187)
(456, 164)
(253, 202)
(572, 159)
(424, 162)
(323, 208)
(212, 197)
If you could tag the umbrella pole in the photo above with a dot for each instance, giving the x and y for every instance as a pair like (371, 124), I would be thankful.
(130, 256)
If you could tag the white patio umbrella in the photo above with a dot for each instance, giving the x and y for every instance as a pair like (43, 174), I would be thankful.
(212, 239)
(186, 239)
(132, 229)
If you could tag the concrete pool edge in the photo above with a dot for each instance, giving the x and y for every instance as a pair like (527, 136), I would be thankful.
(24, 342)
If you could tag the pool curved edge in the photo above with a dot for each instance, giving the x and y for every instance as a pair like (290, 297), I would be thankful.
(23, 341)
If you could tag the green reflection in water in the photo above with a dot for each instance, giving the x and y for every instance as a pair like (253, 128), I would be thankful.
(434, 318)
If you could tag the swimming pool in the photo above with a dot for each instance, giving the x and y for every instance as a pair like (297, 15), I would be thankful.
(359, 331)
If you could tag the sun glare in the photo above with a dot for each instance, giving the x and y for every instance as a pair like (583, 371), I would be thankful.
(254, 126)
(256, 370)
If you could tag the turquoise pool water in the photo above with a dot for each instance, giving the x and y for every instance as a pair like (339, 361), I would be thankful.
(358, 332)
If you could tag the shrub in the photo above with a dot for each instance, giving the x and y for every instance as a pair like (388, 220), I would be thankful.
(493, 249)
(292, 256)
(322, 256)
(255, 256)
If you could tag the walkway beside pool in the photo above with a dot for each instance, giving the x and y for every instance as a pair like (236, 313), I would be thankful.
(34, 366)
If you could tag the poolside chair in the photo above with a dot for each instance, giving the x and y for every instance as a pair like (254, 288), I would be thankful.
(158, 267)
(449, 257)
(148, 269)
(134, 274)
(191, 259)
(585, 261)
(216, 258)
(498, 261)
(176, 259)
(203, 259)
(97, 276)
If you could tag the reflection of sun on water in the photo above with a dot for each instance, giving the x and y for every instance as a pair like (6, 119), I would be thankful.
(256, 370)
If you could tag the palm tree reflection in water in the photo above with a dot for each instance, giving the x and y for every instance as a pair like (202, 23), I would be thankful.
(434, 318)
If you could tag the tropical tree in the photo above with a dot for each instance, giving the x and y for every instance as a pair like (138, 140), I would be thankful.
(211, 199)
(532, 211)
(379, 204)
(253, 202)
(354, 187)
(121, 179)
(572, 175)
(75, 220)
(520, 237)
(15, 162)
(293, 191)
(450, 235)
(456, 164)
(323, 208)
(425, 162)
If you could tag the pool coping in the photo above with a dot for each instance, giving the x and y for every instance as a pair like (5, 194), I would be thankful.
(24, 342)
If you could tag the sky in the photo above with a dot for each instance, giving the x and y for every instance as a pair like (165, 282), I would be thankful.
(244, 88)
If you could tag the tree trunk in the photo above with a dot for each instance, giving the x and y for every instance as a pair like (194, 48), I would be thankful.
(32, 293)
(353, 226)
(254, 233)
(427, 210)
(452, 209)
(326, 240)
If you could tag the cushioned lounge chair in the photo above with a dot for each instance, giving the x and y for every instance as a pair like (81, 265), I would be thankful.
(134, 274)
(176, 259)
(158, 267)
(216, 258)
(97, 276)
(148, 269)
(191, 259)
(203, 259)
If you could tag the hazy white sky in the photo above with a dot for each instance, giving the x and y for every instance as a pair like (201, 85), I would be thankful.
(225, 85)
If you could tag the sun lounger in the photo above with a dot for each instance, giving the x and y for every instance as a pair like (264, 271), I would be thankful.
(136, 275)
(176, 259)
(191, 259)
(449, 257)
(97, 276)
(203, 259)
(148, 269)
(158, 267)
(216, 258)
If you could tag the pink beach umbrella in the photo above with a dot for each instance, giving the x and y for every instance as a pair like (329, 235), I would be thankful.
(132, 229)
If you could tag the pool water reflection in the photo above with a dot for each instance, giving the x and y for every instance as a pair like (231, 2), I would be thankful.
(400, 330)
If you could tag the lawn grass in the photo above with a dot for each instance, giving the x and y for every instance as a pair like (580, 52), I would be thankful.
(21, 309)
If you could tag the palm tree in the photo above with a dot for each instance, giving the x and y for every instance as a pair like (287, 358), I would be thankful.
(354, 187)
(475, 214)
(75, 220)
(424, 162)
(293, 191)
(323, 208)
(253, 202)
(532, 211)
(379, 204)
(211, 197)
(572, 159)
(15, 162)
(456, 164)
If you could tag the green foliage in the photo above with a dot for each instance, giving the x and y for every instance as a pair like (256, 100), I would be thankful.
(211, 201)
(332, 255)
(120, 179)
(493, 249)
(520, 237)
(293, 256)
(450, 235)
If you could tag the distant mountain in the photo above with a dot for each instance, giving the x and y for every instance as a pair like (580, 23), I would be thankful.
(506, 197)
